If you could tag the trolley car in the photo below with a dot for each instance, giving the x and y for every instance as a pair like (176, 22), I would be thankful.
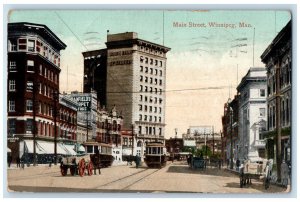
(155, 156)
(106, 158)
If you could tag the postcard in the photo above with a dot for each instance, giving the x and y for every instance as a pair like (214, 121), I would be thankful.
(149, 101)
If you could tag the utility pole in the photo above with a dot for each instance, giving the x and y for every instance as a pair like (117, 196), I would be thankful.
(34, 128)
(278, 123)
(55, 99)
(213, 135)
(132, 134)
(231, 146)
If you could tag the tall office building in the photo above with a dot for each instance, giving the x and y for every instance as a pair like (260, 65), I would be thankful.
(135, 82)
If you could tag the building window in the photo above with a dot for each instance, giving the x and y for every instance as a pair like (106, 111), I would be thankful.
(155, 71)
(146, 89)
(159, 119)
(146, 130)
(141, 78)
(11, 106)
(41, 70)
(146, 108)
(262, 93)
(150, 130)
(159, 131)
(262, 112)
(140, 129)
(141, 97)
(11, 126)
(130, 141)
(156, 62)
(145, 118)
(13, 45)
(146, 79)
(150, 118)
(151, 80)
(12, 66)
(155, 109)
(151, 71)
(160, 63)
(146, 60)
(141, 88)
(160, 82)
(12, 85)
(29, 87)
(141, 59)
(29, 105)
(160, 72)
(155, 118)
(140, 107)
(29, 125)
(146, 99)
(31, 45)
(30, 65)
(160, 110)
(146, 69)
(23, 44)
(141, 68)
(140, 117)
(151, 61)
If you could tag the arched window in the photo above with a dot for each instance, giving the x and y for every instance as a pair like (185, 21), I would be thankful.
(139, 144)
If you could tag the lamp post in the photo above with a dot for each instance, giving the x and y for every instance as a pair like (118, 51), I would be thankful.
(231, 144)
(55, 99)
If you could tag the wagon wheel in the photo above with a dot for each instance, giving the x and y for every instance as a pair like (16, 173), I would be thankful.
(241, 182)
(90, 168)
(81, 167)
(72, 170)
(63, 170)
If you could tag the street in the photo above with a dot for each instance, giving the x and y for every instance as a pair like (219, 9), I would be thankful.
(175, 177)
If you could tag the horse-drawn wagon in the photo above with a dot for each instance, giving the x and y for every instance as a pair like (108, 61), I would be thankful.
(255, 170)
(84, 164)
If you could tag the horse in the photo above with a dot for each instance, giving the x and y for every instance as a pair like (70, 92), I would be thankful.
(95, 158)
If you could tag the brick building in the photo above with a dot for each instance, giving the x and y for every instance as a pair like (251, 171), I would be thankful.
(33, 82)
(278, 60)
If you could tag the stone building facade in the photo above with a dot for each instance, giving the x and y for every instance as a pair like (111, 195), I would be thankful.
(135, 83)
(252, 114)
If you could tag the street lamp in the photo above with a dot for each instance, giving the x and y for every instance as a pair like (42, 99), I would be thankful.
(231, 144)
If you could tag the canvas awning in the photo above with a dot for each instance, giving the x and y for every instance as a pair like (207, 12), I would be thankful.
(43, 147)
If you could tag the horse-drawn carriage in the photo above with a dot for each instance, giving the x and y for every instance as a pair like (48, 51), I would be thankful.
(255, 170)
(84, 164)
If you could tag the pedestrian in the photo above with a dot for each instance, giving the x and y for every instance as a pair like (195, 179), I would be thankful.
(284, 174)
(9, 160)
(18, 160)
(237, 164)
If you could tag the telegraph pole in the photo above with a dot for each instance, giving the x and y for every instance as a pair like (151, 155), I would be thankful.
(278, 123)
(132, 133)
(34, 128)
(55, 96)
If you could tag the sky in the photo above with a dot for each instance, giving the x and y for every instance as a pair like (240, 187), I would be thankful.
(205, 63)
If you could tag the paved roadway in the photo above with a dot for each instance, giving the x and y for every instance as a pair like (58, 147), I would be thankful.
(175, 177)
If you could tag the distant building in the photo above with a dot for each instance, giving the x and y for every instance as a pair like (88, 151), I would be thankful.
(252, 114)
(230, 123)
(130, 74)
(33, 86)
(278, 60)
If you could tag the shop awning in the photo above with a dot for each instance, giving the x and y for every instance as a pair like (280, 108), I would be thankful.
(29, 147)
(70, 149)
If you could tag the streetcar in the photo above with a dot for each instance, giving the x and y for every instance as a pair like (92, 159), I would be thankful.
(155, 156)
(106, 158)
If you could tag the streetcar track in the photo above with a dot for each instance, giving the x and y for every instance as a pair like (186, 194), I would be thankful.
(117, 180)
(126, 177)
(126, 188)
